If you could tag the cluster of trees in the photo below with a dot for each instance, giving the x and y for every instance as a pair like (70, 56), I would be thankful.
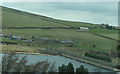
(70, 68)
(107, 26)
(118, 56)
(15, 63)
(93, 55)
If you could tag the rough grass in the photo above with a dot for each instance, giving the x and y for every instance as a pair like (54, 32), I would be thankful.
(8, 40)
(77, 24)
(17, 20)
(17, 48)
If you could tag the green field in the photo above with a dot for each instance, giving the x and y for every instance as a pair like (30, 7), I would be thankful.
(106, 32)
(62, 34)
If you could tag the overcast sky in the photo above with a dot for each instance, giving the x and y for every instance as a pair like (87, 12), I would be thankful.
(92, 12)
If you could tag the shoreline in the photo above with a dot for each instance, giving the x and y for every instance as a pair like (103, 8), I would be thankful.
(70, 57)
(27, 53)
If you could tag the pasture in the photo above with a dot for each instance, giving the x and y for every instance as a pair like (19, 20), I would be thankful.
(106, 32)
(86, 38)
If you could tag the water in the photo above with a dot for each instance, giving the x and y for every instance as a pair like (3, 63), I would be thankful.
(59, 60)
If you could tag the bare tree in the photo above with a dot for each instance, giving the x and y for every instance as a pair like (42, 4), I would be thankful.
(15, 63)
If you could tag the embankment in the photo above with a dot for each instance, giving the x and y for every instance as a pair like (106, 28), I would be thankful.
(99, 63)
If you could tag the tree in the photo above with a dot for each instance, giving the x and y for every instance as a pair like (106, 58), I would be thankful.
(14, 63)
(70, 68)
(107, 26)
(67, 68)
(81, 70)
(94, 46)
(62, 68)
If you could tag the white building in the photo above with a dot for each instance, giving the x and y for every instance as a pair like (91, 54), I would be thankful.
(83, 29)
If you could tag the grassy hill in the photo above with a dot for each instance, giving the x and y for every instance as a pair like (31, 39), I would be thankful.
(16, 18)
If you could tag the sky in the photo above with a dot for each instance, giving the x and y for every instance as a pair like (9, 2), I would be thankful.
(59, 0)
(91, 12)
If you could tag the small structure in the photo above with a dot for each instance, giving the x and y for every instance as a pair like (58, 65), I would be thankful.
(25, 40)
(15, 37)
(44, 38)
(83, 29)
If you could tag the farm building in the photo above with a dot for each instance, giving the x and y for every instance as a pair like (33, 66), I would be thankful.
(83, 29)
(16, 37)
(66, 43)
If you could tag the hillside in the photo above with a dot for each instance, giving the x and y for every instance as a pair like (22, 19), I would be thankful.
(49, 39)
(13, 18)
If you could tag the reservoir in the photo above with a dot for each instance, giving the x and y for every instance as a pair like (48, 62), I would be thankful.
(59, 60)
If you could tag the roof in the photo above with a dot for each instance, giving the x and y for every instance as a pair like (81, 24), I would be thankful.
(84, 28)
(18, 37)
(67, 41)
(45, 38)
